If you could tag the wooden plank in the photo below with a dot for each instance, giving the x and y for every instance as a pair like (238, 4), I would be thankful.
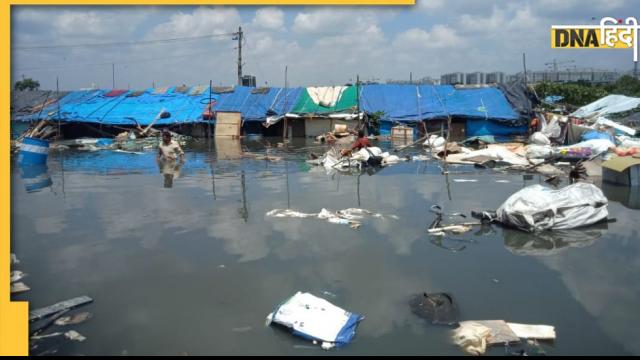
(228, 124)
(63, 305)
(227, 130)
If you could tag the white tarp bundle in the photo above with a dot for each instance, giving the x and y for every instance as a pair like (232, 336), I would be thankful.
(611, 104)
(496, 153)
(317, 319)
(537, 208)
(326, 96)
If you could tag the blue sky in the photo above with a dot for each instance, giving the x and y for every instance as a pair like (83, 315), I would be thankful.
(320, 45)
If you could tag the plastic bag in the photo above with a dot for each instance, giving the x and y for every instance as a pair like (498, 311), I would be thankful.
(537, 208)
(539, 138)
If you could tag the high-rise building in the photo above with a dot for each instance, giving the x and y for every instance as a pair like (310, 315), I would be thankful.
(456, 78)
(249, 80)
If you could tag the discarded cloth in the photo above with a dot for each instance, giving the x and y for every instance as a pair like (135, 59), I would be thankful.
(537, 208)
(475, 336)
(316, 319)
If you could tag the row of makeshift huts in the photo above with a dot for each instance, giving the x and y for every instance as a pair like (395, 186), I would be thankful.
(309, 111)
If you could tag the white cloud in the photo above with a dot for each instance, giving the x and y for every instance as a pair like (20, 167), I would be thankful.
(269, 18)
(202, 21)
(440, 36)
(327, 21)
(429, 5)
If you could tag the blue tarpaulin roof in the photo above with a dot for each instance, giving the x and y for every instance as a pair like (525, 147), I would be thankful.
(132, 107)
(94, 107)
(257, 106)
(410, 103)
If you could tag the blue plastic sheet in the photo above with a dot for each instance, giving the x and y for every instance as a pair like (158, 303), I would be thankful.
(411, 103)
(257, 107)
(94, 107)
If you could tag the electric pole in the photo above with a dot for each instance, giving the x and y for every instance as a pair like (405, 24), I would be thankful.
(239, 36)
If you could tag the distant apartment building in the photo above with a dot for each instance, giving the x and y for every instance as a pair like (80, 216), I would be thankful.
(475, 78)
(456, 78)
(427, 80)
(249, 80)
(591, 76)
(497, 77)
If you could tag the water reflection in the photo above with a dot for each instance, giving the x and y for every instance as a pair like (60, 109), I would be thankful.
(548, 243)
(35, 177)
(114, 233)
(170, 169)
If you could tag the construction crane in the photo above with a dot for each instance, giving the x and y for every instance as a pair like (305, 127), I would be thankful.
(555, 63)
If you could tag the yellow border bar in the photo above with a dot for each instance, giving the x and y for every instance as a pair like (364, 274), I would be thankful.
(215, 2)
(13, 316)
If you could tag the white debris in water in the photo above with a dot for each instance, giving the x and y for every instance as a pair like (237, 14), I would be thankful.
(14, 260)
(242, 329)
(16, 276)
(503, 181)
(465, 180)
(75, 336)
(351, 216)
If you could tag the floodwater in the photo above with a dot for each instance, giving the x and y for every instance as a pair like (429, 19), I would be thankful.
(191, 265)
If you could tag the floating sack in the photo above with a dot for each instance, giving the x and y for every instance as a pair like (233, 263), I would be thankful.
(439, 309)
(316, 319)
(472, 337)
(537, 208)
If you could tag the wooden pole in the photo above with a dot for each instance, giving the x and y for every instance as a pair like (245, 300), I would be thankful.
(285, 123)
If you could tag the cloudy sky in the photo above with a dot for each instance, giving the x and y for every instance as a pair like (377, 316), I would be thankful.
(320, 45)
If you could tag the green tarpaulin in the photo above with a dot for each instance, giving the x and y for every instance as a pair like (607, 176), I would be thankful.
(347, 103)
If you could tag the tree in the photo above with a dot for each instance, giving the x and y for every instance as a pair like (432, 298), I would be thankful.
(27, 84)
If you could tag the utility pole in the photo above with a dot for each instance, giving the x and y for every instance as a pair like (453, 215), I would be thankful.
(113, 75)
(410, 77)
(524, 64)
(239, 36)
(285, 129)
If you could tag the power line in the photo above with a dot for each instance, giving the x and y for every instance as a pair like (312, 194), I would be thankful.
(122, 43)
(111, 62)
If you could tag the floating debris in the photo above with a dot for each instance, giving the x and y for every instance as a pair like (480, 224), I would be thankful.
(465, 180)
(14, 260)
(56, 308)
(439, 309)
(18, 288)
(16, 276)
(351, 216)
(74, 319)
(316, 319)
(74, 336)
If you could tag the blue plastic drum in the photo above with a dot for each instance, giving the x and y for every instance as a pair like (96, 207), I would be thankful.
(33, 152)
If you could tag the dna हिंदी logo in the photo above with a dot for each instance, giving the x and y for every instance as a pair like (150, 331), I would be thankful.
(610, 34)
